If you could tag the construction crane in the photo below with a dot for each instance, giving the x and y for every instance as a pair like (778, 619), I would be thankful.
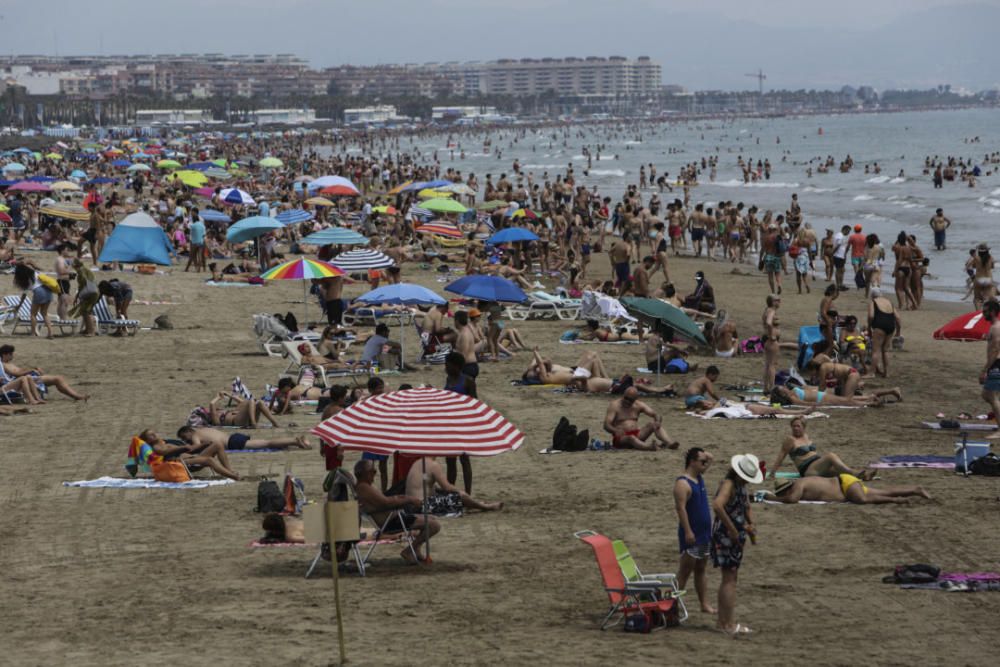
(760, 76)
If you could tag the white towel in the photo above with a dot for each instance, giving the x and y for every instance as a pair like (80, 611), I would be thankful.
(121, 483)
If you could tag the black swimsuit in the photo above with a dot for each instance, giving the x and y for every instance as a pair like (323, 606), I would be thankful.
(883, 321)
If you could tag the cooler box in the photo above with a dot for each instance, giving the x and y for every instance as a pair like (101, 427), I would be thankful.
(967, 452)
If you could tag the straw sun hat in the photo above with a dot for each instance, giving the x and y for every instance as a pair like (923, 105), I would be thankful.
(747, 466)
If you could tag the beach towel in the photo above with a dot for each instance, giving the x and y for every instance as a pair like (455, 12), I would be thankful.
(140, 457)
(144, 483)
(212, 283)
(914, 461)
(240, 389)
(738, 411)
(577, 341)
(961, 426)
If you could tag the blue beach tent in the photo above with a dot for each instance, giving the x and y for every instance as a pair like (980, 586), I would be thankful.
(138, 238)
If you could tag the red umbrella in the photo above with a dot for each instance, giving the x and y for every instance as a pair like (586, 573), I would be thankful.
(971, 326)
(5, 218)
(339, 191)
(421, 422)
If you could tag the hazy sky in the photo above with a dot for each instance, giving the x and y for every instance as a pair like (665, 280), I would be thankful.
(702, 45)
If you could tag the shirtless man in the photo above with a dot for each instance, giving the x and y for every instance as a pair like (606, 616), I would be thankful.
(620, 267)
(697, 393)
(203, 437)
(465, 343)
(434, 323)
(839, 489)
(939, 223)
(378, 506)
(640, 278)
(244, 415)
(212, 456)
(622, 422)
(426, 478)
(990, 376)
(331, 290)
(545, 372)
(696, 225)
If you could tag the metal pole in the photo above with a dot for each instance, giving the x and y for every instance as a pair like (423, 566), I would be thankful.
(330, 533)
(423, 491)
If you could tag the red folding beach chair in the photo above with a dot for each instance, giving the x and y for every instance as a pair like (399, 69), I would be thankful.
(651, 598)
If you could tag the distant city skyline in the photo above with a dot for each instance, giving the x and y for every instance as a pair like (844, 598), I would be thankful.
(798, 44)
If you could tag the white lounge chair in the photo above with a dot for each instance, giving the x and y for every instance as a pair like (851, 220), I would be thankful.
(107, 323)
(542, 305)
(295, 365)
(271, 334)
(23, 316)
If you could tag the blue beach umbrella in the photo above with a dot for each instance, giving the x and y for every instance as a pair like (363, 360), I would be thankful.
(405, 294)
(14, 166)
(251, 228)
(211, 215)
(512, 235)
(78, 174)
(121, 163)
(487, 288)
(335, 236)
(294, 216)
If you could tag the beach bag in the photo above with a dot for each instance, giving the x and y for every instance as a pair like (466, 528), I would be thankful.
(752, 345)
(987, 465)
(444, 504)
(295, 495)
(564, 435)
(269, 497)
(169, 471)
(640, 622)
(859, 280)
(918, 573)
(50, 283)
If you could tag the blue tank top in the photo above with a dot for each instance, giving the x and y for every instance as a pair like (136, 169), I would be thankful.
(699, 514)
(458, 387)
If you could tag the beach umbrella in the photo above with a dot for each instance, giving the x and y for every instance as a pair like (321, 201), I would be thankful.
(492, 205)
(211, 215)
(53, 156)
(121, 163)
(252, 227)
(524, 213)
(458, 189)
(335, 236)
(30, 186)
(23, 150)
(80, 174)
(319, 201)
(101, 180)
(969, 327)
(3, 207)
(436, 183)
(487, 288)
(512, 235)
(293, 217)
(665, 313)
(441, 228)
(427, 193)
(305, 270)
(441, 205)
(387, 210)
(200, 166)
(217, 173)
(14, 166)
(400, 188)
(189, 177)
(362, 259)
(339, 191)
(331, 181)
(235, 196)
(402, 294)
(168, 164)
(139, 167)
(271, 163)
(65, 186)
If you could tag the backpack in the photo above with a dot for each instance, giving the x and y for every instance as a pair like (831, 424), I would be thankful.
(918, 573)
(987, 465)
(566, 438)
(269, 497)
(859, 280)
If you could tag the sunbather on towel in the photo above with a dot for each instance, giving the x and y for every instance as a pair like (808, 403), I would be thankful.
(280, 529)
(799, 448)
(230, 274)
(839, 489)
(750, 410)
(311, 357)
(700, 394)
(212, 456)
(666, 357)
(57, 381)
(288, 391)
(244, 415)
(794, 395)
(592, 385)
(622, 422)
(202, 437)
(594, 332)
(372, 501)
(543, 371)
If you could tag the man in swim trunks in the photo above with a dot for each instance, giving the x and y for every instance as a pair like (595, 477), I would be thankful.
(939, 223)
(622, 421)
(843, 488)
(211, 456)
(696, 396)
(376, 504)
(619, 255)
(202, 437)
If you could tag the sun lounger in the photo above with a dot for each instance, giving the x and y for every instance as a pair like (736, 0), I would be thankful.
(365, 316)
(23, 316)
(107, 323)
(271, 333)
(541, 305)
(295, 366)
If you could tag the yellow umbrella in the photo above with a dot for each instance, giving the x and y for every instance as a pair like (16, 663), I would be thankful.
(65, 185)
(320, 201)
(428, 193)
(399, 188)
(67, 211)
(190, 177)
(5, 208)
(53, 156)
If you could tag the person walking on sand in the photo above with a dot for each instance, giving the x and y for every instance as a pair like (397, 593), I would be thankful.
(990, 377)
(733, 523)
(694, 529)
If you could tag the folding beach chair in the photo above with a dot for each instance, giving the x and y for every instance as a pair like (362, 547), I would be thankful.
(23, 316)
(630, 570)
(296, 368)
(107, 323)
(627, 597)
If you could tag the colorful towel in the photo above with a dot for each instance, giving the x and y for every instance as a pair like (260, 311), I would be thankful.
(969, 576)
(597, 342)
(914, 461)
(119, 483)
(140, 457)
(212, 283)
(811, 415)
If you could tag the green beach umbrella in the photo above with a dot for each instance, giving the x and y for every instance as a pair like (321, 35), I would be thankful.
(441, 205)
(168, 164)
(668, 314)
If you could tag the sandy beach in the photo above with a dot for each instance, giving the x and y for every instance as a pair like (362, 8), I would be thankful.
(129, 577)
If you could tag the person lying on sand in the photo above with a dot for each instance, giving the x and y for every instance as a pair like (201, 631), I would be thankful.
(729, 410)
(543, 371)
(593, 331)
(839, 489)
(212, 456)
(622, 421)
(202, 437)
(591, 385)
(8, 371)
(11, 410)
(288, 391)
(799, 448)
(372, 501)
(227, 276)
(312, 357)
(794, 395)
(244, 415)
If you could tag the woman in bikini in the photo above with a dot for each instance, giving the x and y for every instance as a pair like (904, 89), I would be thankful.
(901, 272)
(812, 396)
(884, 325)
(771, 339)
(828, 315)
(799, 448)
(593, 331)
(660, 251)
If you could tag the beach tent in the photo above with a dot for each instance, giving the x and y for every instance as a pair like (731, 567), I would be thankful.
(138, 238)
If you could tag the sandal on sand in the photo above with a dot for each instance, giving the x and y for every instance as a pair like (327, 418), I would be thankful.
(738, 631)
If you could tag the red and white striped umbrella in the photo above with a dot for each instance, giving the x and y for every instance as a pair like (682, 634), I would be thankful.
(421, 422)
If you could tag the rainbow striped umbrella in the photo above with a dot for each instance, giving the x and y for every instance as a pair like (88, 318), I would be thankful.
(305, 270)
(440, 228)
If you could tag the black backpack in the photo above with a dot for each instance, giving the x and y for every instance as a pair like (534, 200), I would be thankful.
(918, 573)
(566, 438)
(269, 497)
(987, 465)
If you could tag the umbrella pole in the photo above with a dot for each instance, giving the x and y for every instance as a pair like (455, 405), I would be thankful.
(423, 487)
(305, 302)
(330, 533)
